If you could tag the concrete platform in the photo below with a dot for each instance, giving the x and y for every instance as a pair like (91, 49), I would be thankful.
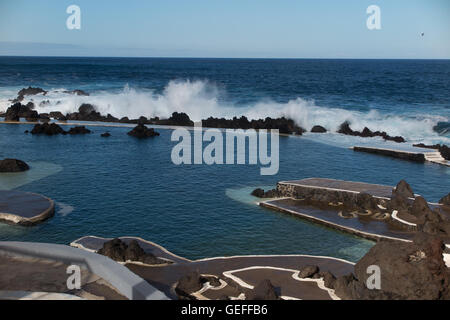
(333, 185)
(360, 226)
(25, 208)
(320, 200)
(238, 274)
(416, 156)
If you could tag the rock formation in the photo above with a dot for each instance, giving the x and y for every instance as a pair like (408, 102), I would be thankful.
(286, 126)
(260, 193)
(48, 129)
(345, 129)
(188, 284)
(31, 91)
(79, 130)
(318, 129)
(13, 165)
(308, 271)
(263, 291)
(445, 200)
(141, 131)
(118, 250)
(18, 110)
(408, 270)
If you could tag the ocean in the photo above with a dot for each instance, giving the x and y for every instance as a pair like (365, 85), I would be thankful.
(121, 186)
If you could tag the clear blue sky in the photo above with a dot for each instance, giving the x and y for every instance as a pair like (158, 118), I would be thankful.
(227, 28)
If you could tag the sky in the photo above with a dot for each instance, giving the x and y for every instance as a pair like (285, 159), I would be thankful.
(227, 28)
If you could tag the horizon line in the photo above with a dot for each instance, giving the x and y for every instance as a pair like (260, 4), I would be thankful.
(230, 58)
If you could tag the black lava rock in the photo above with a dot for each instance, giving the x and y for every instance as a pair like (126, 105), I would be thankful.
(13, 165)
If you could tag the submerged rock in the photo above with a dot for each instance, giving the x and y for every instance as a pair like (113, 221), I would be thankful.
(105, 135)
(141, 131)
(13, 165)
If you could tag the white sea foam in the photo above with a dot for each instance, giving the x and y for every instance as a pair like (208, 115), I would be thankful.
(63, 209)
(201, 99)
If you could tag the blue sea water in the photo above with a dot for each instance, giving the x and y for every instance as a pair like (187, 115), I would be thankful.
(123, 186)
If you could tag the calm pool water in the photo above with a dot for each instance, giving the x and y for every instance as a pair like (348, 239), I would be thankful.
(121, 186)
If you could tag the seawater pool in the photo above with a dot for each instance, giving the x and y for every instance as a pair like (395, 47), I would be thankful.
(122, 186)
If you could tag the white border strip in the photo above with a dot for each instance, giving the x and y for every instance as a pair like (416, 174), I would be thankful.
(320, 283)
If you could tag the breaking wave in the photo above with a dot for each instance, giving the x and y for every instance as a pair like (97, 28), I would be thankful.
(201, 99)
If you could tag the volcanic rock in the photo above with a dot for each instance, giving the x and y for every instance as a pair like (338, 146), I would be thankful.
(48, 129)
(318, 129)
(445, 152)
(404, 189)
(118, 250)
(77, 92)
(328, 278)
(178, 119)
(420, 208)
(213, 281)
(445, 200)
(285, 126)
(141, 131)
(344, 128)
(408, 270)
(308, 271)
(105, 135)
(263, 291)
(79, 130)
(86, 109)
(258, 192)
(13, 165)
(188, 284)
(31, 91)
(114, 249)
(56, 115)
(421, 145)
(366, 201)
(18, 110)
